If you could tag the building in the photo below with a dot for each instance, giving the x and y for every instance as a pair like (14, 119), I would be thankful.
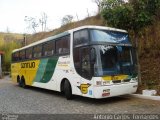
(1, 53)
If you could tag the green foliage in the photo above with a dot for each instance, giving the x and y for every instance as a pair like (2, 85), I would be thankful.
(7, 48)
(110, 4)
(152, 6)
(7, 45)
(67, 19)
(131, 16)
(120, 16)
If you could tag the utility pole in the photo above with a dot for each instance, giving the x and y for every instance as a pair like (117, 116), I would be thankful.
(24, 40)
(77, 16)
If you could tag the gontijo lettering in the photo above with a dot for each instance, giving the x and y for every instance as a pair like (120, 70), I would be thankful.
(28, 65)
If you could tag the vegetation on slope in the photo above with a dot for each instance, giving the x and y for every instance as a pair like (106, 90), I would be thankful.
(8, 42)
(94, 20)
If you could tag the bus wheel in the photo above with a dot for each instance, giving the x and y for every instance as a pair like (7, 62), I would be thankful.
(23, 84)
(19, 81)
(67, 90)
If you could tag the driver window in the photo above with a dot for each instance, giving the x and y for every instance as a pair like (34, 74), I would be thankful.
(86, 73)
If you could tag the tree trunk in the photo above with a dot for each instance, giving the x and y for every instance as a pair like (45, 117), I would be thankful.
(137, 55)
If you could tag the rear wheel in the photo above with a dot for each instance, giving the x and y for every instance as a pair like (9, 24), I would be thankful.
(19, 81)
(22, 83)
(67, 90)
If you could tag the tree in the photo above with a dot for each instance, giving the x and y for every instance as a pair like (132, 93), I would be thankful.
(32, 23)
(7, 47)
(99, 4)
(67, 19)
(110, 4)
(43, 21)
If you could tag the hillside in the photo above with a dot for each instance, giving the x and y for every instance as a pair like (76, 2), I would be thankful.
(8, 42)
(95, 20)
(10, 36)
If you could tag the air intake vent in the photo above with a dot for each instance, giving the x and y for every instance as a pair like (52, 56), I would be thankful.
(116, 81)
(126, 80)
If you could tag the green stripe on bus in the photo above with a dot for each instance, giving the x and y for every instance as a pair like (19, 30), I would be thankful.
(49, 71)
(41, 69)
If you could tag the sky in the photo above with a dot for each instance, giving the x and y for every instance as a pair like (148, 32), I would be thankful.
(13, 12)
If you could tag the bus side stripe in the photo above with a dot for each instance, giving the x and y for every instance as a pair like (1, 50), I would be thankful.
(41, 69)
(50, 68)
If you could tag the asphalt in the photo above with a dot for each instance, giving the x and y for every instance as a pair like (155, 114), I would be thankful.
(17, 100)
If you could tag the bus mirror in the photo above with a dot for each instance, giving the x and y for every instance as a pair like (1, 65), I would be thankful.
(93, 55)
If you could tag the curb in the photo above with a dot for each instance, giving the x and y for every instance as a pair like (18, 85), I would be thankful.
(146, 97)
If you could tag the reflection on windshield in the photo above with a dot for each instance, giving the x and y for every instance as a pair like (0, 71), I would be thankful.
(116, 60)
(109, 36)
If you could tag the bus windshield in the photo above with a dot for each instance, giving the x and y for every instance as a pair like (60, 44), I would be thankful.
(109, 36)
(116, 60)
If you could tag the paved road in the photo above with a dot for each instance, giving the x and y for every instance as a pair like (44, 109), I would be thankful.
(14, 99)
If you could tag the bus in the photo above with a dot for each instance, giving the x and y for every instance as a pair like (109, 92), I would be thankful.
(90, 61)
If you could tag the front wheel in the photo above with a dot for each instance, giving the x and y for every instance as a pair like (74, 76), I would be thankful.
(67, 90)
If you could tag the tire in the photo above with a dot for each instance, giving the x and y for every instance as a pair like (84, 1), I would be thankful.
(22, 83)
(19, 81)
(67, 90)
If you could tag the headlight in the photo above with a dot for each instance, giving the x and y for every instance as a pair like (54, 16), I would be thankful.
(135, 79)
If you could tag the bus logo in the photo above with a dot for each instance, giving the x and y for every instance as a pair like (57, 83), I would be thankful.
(84, 88)
(28, 65)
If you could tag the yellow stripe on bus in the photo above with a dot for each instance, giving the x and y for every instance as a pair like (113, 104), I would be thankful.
(116, 77)
(28, 69)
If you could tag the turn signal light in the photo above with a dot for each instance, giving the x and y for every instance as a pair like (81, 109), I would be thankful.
(105, 94)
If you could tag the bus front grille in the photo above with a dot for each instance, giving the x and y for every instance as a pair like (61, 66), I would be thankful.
(126, 80)
(116, 81)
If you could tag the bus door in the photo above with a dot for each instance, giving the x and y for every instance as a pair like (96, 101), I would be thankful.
(86, 69)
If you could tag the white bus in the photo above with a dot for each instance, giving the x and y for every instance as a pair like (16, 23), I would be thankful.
(90, 61)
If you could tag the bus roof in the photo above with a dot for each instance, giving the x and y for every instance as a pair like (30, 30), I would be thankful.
(69, 31)
(99, 27)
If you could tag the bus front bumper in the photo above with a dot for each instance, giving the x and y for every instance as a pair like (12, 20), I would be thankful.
(114, 90)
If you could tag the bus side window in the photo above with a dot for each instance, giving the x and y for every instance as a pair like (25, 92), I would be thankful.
(63, 45)
(22, 55)
(77, 60)
(29, 53)
(15, 56)
(37, 51)
(49, 48)
(81, 37)
(85, 60)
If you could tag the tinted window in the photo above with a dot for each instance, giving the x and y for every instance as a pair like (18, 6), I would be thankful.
(22, 55)
(37, 51)
(77, 60)
(85, 60)
(109, 36)
(29, 53)
(15, 56)
(62, 45)
(48, 48)
(82, 62)
(81, 37)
